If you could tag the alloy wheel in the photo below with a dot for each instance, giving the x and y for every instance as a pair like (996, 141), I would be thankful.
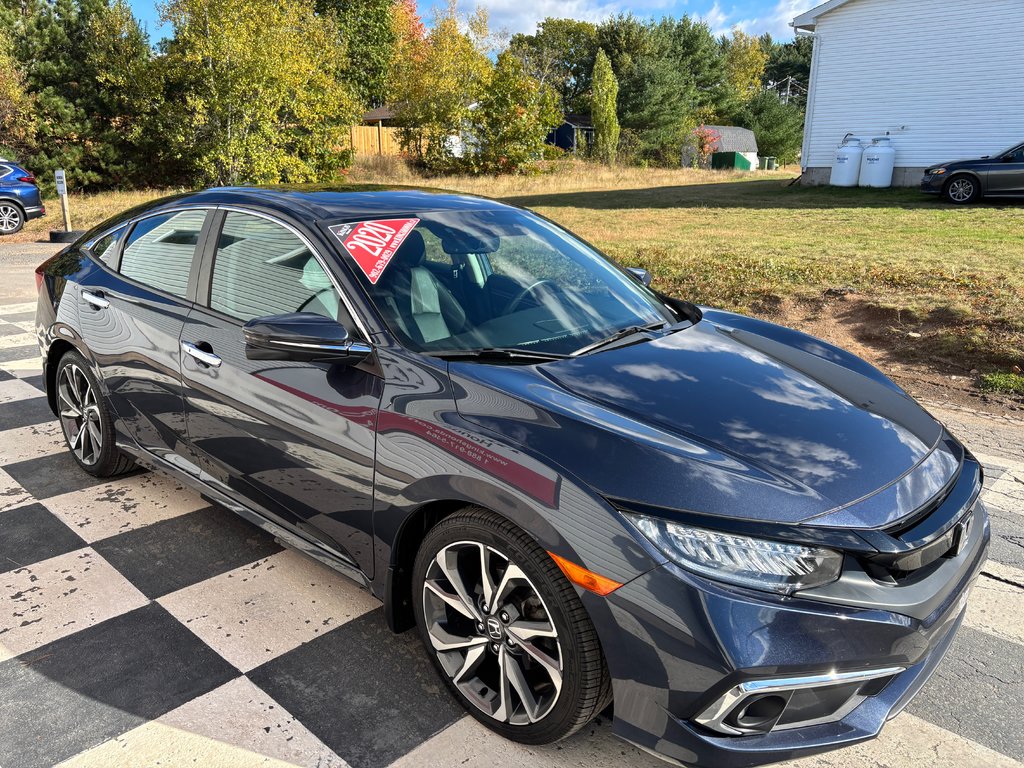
(10, 218)
(961, 190)
(492, 633)
(79, 414)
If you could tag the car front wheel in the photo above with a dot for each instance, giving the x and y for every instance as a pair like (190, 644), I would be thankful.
(11, 219)
(506, 630)
(962, 190)
(86, 421)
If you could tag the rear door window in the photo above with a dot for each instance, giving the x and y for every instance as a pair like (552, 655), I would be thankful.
(160, 249)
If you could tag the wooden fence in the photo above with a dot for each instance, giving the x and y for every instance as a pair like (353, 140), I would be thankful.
(375, 140)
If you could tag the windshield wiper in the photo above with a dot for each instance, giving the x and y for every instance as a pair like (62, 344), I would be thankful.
(619, 336)
(496, 353)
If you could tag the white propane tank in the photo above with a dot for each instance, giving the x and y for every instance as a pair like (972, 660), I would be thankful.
(877, 164)
(846, 166)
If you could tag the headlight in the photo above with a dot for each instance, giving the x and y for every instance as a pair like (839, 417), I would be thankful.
(936, 171)
(747, 562)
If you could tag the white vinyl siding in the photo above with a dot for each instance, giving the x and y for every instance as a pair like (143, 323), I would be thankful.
(945, 78)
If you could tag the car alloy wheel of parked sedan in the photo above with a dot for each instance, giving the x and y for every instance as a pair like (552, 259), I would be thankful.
(578, 490)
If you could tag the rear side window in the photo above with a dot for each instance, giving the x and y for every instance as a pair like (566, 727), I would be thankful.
(159, 251)
(105, 249)
(261, 268)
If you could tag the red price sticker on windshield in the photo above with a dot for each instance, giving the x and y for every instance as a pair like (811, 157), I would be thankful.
(372, 244)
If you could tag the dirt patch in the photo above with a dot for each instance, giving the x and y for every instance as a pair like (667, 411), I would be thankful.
(907, 348)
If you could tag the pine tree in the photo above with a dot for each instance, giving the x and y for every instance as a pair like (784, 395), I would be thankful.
(605, 92)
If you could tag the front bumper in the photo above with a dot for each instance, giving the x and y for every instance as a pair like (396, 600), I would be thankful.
(932, 184)
(677, 644)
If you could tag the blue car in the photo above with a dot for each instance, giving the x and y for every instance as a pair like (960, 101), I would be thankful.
(576, 489)
(19, 197)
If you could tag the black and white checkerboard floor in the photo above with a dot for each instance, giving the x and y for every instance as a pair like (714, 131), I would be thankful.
(140, 626)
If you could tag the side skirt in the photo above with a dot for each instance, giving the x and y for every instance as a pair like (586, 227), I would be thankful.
(286, 536)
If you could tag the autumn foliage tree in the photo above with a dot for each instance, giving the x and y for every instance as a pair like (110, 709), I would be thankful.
(512, 119)
(17, 122)
(745, 61)
(258, 91)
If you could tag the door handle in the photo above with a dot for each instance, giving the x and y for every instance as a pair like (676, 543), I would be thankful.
(95, 299)
(204, 357)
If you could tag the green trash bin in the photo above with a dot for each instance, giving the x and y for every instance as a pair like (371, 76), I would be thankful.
(762, 163)
(773, 163)
(730, 161)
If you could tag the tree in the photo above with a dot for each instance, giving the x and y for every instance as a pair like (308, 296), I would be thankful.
(789, 60)
(778, 127)
(744, 64)
(58, 44)
(511, 121)
(656, 98)
(694, 50)
(560, 54)
(17, 123)
(605, 91)
(368, 36)
(436, 89)
(129, 94)
(258, 91)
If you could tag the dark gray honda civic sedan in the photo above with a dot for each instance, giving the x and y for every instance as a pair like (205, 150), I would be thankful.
(579, 491)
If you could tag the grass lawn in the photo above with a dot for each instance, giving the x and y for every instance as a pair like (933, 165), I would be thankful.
(747, 241)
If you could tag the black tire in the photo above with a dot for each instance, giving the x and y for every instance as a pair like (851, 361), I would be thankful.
(12, 218)
(585, 688)
(108, 460)
(962, 190)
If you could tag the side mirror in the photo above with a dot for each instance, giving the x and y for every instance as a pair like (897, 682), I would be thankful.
(641, 275)
(301, 336)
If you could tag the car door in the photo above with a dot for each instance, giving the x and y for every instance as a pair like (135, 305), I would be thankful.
(294, 439)
(133, 302)
(1006, 174)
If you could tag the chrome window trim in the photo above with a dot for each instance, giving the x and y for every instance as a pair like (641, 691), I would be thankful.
(714, 716)
(356, 318)
(130, 223)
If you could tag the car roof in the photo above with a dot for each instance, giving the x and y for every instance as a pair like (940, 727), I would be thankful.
(344, 202)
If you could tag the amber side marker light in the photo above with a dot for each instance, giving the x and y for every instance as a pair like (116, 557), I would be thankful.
(581, 577)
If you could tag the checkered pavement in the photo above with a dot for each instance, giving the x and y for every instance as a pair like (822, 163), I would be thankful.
(140, 626)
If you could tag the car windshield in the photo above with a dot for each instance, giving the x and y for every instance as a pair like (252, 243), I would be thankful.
(495, 280)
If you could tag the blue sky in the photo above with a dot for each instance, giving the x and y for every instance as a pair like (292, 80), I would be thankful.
(754, 16)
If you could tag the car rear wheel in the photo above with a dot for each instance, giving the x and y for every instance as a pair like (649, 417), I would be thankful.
(506, 630)
(962, 190)
(11, 218)
(85, 419)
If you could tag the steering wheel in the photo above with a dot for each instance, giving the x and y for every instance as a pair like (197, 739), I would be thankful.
(545, 284)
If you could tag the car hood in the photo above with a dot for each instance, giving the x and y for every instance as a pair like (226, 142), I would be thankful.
(725, 420)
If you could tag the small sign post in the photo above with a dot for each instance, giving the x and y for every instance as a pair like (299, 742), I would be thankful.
(62, 191)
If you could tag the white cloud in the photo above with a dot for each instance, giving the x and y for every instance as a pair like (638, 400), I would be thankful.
(776, 24)
(717, 19)
(514, 16)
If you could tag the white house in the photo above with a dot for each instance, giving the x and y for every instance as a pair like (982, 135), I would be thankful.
(944, 79)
